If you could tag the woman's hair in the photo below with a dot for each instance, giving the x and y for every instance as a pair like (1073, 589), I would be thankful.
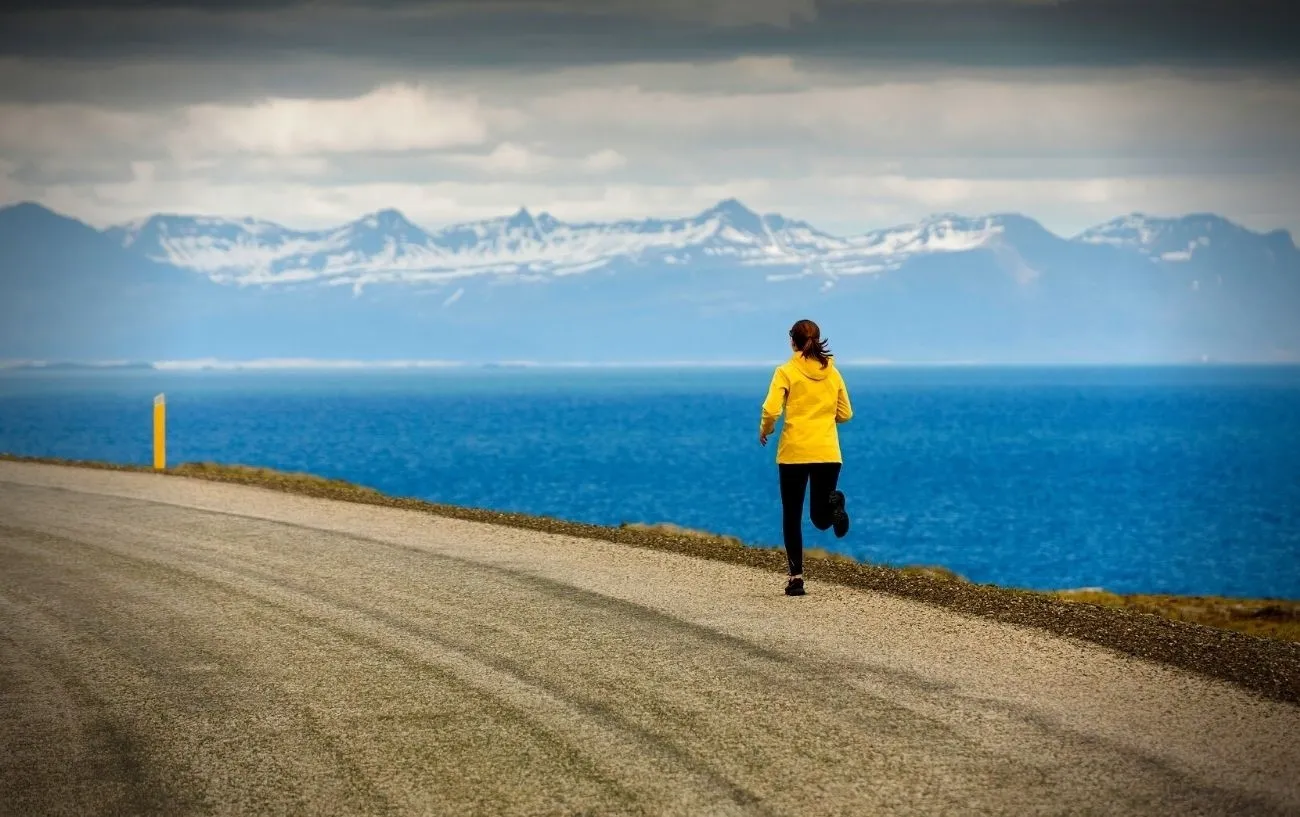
(807, 337)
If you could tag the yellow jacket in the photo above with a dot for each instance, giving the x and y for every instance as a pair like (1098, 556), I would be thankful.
(815, 401)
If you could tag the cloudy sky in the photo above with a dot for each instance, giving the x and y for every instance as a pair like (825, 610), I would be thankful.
(853, 114)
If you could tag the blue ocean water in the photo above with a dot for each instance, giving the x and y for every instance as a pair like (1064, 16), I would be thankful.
(1179, 480)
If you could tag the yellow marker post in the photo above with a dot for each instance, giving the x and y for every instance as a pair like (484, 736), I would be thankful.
(159, 433)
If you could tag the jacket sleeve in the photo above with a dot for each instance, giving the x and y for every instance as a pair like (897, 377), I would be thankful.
(775, 402)
(843, 408)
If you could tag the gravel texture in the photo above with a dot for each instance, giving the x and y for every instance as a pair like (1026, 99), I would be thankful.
(181, 646)
(1269, 667)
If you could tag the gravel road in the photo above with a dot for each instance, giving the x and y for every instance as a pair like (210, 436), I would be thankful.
(174, 646)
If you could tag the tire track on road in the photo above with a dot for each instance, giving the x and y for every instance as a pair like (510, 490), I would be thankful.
(518, 694)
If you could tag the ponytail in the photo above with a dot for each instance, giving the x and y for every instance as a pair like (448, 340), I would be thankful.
(806, 335)
(819, 351)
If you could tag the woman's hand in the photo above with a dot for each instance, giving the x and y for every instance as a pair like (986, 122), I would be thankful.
(762, 438)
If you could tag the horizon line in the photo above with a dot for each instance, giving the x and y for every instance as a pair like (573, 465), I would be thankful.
(339, 364)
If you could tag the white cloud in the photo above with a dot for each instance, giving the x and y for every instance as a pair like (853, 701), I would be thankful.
(847, 151)
(510, 159)
(72, 129)
(603, 161)
(389, 118)
(680, 114)
(506, 158)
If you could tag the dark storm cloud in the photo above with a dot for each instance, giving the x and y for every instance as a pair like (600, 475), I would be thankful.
(186, 80)
(1226, 33)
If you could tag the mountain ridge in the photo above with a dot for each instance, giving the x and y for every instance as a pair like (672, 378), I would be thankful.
(525, 285)
(385, 245)
(721, 205)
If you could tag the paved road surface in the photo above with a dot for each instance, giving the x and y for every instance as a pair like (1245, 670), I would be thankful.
(170, 646)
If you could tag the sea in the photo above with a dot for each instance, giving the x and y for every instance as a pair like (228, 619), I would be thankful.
(1133, 479)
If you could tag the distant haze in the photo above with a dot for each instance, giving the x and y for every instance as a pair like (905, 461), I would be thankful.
(719, 285)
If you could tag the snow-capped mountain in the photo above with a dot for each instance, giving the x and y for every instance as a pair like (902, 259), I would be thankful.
(1181, 239)
(253, 251)
(721, 284)
(386, 247)
(1203, 245)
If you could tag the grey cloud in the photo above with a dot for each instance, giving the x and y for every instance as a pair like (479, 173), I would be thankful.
(1090, 167)
(167, 84)
(1147, 118)
(1115, 125)
(548, 33)
(85, 172)
(661, 85)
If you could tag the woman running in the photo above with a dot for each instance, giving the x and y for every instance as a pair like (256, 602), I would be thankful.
(811, 391)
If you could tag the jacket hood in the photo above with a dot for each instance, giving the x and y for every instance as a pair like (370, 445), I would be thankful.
(810, 368)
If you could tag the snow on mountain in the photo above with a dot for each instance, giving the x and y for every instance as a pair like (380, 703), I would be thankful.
(943, 233)
(1182, 239)
(1164, 239)
(995, 287)
(1197, 238)
(385, 246)
(223, 249)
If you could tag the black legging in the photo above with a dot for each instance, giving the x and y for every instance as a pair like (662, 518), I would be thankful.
(824, 477)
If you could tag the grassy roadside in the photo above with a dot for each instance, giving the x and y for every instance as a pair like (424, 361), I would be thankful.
(1252, 642)
(1264, 618)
